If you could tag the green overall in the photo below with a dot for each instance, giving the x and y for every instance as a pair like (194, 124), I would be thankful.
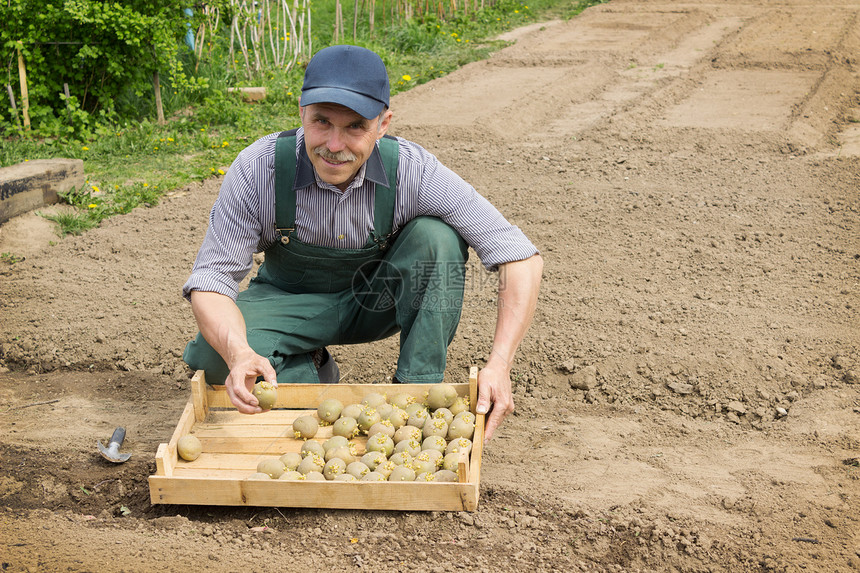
(306, 296)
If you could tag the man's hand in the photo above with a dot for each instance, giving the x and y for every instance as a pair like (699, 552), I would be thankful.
(519, 283)
(223, 327)
(240, 382)
(494, 397)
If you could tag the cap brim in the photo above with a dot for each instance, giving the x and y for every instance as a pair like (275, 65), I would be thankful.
(366, 107)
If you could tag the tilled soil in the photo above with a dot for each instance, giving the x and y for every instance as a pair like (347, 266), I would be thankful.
(688, 398)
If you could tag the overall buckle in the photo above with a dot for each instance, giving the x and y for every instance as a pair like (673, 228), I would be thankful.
(285, 238)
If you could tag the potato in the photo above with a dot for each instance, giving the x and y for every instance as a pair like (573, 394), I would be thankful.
(402, 400)
(266, 394)
(435, 427)
(368, 418)
(380, 443)
(334, 467)
(446, 476)
(358, 469)
(335, 442)
(271, 466)
(383, 426)
(329, 410)
(407, 433)
(397, 417)
(305, 427)
(189, 447)
(346, 427)
(463, 426)
(312, 447)
(374, 399)
(443, 413)
(402, 473)
(441, 396)
(291, 460)
(373, 459)
(412, 447)
(352, 411)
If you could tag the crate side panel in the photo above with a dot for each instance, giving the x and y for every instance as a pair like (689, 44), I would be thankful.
(401, 496)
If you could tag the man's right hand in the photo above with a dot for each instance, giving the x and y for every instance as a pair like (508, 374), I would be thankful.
(240, 382)
(223, 327)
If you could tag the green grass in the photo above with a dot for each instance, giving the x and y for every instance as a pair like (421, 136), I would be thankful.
(135, 162)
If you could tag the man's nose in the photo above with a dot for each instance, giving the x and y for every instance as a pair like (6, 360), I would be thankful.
(335, 141)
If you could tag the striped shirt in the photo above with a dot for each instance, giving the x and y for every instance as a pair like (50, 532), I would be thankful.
(242, 220)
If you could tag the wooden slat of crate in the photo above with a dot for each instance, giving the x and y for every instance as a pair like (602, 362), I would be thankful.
(401, 496)
(309, 396)
(233, 444)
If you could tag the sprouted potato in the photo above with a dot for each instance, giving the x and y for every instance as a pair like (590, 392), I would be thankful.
(374, 399)
(305, 427)
(266, 394)
(271, 466)
(441, 396)
(189, 447)
(329, 410)
(291, 460)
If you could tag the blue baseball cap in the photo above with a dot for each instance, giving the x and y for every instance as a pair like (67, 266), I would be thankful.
(350, 76)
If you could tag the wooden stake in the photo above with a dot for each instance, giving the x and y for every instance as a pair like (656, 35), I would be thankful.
(355, 21)
(25, 99)
(14, 107)
(68, 108)
(159, 110)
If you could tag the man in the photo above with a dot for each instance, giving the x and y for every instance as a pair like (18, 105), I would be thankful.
(364, 235)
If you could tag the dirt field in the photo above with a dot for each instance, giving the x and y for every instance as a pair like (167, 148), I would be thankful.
(688, 398)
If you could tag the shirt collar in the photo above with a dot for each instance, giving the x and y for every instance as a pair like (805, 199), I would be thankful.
(373, 169)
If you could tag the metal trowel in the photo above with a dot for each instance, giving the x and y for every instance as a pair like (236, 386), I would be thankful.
(111, 452)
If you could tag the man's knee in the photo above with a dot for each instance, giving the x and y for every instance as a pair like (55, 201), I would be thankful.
(434, 238)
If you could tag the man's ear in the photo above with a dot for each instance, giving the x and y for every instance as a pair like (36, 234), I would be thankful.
(384, 123)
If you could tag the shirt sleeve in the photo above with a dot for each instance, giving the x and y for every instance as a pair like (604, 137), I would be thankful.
(444, 194)
(234, 233)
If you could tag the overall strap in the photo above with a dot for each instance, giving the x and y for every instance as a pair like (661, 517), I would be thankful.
(285, 178)
(383, 211)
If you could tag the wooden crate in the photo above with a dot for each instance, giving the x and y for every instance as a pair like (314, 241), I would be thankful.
(233, 444)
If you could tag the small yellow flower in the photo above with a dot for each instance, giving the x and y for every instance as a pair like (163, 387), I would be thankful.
(516, 11)
(26, 160)
(92, 206)
(169, 139)
(220, 172)
(289, 93)
(225, 143)
(96, 189)
(146, 184)
(85, 148)
(156, 149)
(407, 78)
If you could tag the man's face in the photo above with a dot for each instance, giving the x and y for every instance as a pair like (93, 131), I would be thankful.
(339, 140)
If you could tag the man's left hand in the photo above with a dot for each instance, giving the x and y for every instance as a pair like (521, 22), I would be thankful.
(494, 397)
